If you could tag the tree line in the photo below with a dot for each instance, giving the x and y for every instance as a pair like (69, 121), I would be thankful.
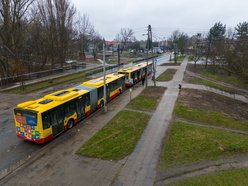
(220, 48)
(42, 34)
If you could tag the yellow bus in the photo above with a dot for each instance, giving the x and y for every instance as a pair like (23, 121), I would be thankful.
(144, 65)
(115, 84)
(42, 120)
(134, 74)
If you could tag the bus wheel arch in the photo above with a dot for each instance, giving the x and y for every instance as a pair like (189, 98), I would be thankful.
(70, 124)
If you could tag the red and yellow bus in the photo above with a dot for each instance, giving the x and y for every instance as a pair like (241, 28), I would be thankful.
(114, 87)
(42, 120)
(134, 74)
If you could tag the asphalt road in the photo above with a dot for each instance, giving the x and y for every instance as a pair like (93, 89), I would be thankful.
(12, 149)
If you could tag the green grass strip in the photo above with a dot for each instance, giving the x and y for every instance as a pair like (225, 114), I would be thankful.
(118, 138)
(210, 117)
(143, 104)
(212, 84)
(148, 100)
(187, 144)
(179, 58)
(219, 75)
(167, 75)
(228, 177)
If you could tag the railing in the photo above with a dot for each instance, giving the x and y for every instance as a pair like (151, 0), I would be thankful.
(7, 81)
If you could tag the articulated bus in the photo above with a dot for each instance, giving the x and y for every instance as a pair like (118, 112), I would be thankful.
(134, 74)
(114, 87)
(42, 120)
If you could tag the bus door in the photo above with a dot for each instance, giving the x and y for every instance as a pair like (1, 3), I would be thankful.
(138, 75)
(58, 121)
(80, 108)
(133, 78)
(108, 92)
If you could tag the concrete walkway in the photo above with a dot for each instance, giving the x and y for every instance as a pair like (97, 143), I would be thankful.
(217, 91)
(140, 168)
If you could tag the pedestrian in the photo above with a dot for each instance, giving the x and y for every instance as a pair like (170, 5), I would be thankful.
(143, 80)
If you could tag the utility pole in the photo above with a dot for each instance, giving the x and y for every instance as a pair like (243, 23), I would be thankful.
(104, 78)
(118, 50)
(148, 47)
(151, 46)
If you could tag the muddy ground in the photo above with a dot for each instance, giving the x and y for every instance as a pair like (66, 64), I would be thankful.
(210, 101)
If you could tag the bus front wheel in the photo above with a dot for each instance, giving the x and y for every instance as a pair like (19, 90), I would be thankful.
(70, 124)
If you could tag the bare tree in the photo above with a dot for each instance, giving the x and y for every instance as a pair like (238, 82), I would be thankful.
(57, 19)
(85, 32)
(126, 35)
(13, 21)
(198, 45)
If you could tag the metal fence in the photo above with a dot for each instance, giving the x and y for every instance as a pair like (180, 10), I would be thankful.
(7, 81)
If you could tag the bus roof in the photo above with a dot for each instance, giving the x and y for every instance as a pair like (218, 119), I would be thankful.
(52, 100)
(143, 64)
(99, 81)
(129, 69)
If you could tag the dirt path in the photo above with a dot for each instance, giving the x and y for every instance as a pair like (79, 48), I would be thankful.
(139, 111)
(211, 126)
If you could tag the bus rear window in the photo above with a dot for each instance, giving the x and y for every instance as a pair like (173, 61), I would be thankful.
(25, 113)
(26, 117)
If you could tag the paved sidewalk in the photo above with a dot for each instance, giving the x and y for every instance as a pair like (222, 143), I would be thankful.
(140, 168)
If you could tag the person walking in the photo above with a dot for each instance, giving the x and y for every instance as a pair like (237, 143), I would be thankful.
(143, 80)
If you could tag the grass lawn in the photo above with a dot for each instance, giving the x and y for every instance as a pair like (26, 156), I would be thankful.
(212, 84)
(166, 75)
(191, 58)
(179, 59)
(118, 138)
(186, 144)
(210, 117)
(147, 100)
(219, 75)
(228, 177)
(142, 103)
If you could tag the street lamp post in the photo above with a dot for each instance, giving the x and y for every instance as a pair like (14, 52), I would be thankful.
(104, 78)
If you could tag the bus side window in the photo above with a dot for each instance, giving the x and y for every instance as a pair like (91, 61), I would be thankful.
(70, 108)
(100, 92)
(126, 77)
(87, 99)
(46, 120)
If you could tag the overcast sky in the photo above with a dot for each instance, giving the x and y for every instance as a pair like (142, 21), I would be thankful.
(189, 16)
